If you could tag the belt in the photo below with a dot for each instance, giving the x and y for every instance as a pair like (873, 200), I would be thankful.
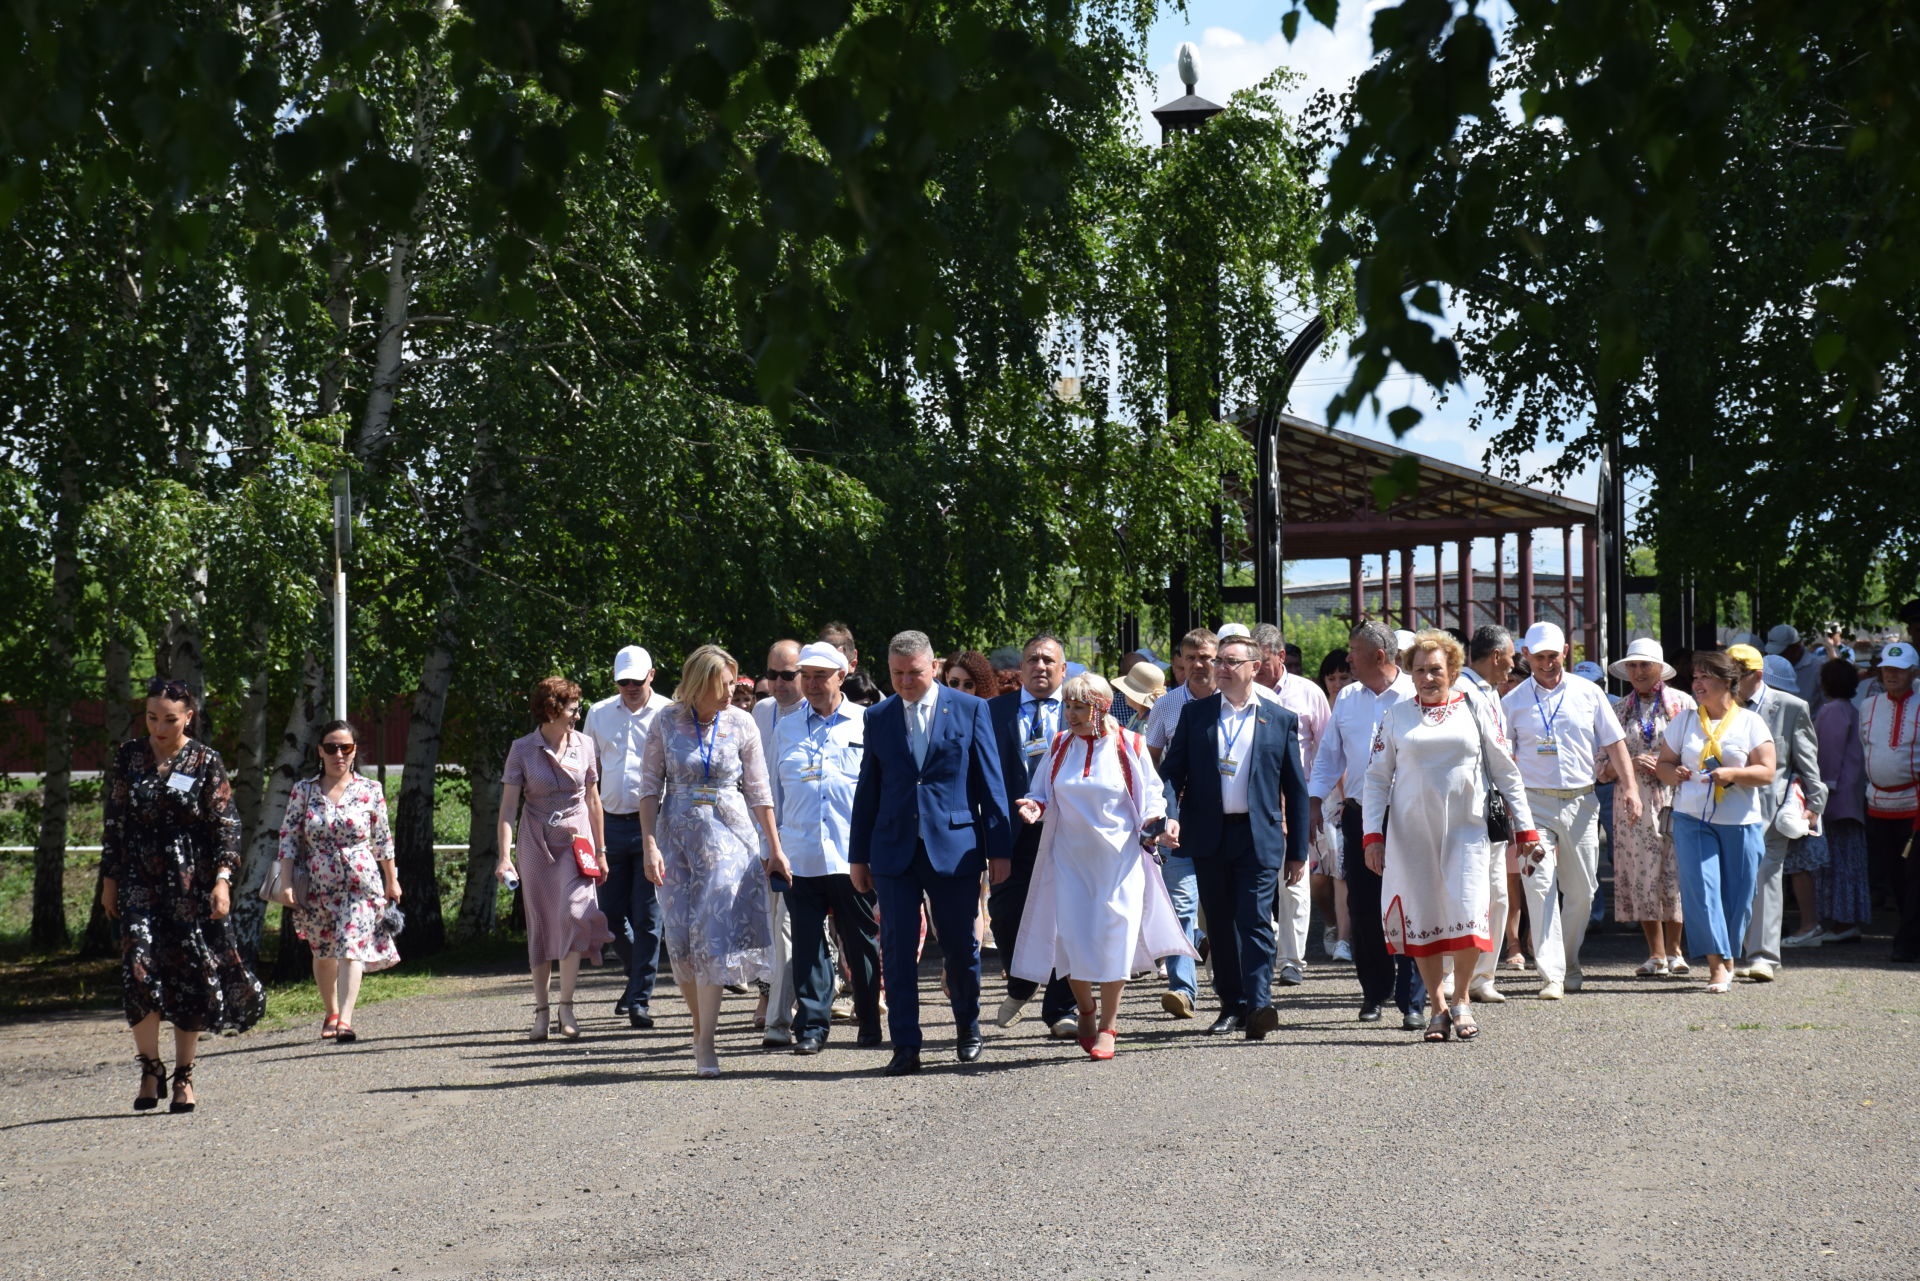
(622, 813)
(1234, 820)
(1564, 793)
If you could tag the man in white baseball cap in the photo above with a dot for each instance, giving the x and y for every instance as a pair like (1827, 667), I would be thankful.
(618, 727)
(1889, 729)
(1561, 723)
(783, 678)
(813, 769)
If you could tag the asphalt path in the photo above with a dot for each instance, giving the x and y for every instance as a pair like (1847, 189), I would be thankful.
(1641, 1128)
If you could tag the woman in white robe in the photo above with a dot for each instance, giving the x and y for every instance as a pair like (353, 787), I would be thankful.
(1098, 911)
(1426, 825)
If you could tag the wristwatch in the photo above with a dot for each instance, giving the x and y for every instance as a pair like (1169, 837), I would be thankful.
(224, 874)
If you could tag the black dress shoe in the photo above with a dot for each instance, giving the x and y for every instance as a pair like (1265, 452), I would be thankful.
(967, 1048)
(905, 1062)
(1228, 1023)
(810, 1043)
(868, 1040)
(1412, 1020)
(639, 1017)
(1262, 1021)
(622, 1006)
(1370, 1012)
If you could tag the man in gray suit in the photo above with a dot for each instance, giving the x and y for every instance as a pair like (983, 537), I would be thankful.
(1797, 757)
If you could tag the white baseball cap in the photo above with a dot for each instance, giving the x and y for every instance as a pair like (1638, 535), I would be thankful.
(1781, 639)
(1402, 641)
(1232, 629)
(821, 654)
(1543, 638)
(632, 664)
(1899, 654)
(1589, 671)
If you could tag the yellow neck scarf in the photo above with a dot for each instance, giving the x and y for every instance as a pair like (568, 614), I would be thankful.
(1711, 748)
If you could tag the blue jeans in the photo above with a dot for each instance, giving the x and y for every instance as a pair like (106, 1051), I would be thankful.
(632, 910)
(1185, 893)
(1718, 864)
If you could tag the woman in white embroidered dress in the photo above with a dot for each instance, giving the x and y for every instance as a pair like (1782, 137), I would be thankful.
(1431, 756)
(1098, 911)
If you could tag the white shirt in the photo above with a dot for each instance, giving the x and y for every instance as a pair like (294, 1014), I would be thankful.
(1739, 806)
(767, 714)
(1347, 745)
(1557, 733)
(1235, 744)
(1486, 701)
(1303, 698)
(814, 765)
(620, 737)
(1165, 717)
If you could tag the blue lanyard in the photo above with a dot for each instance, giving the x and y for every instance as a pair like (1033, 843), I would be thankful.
(1234, 737)
(1546, 720)
(705, 744)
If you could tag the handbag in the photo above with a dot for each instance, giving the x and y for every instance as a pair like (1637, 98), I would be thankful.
(562, 843)
(1499, 819)
(1791, 819)
(287, 883)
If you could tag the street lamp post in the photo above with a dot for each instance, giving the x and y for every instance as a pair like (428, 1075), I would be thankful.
(1184, 114)
(342, 544)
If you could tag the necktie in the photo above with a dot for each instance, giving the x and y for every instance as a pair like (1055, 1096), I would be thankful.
(919, 723)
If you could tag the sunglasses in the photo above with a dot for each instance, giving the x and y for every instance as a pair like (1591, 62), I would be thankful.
(337, 749)
(174, 690)
(629, 684)
(788, 675)
(960, 682)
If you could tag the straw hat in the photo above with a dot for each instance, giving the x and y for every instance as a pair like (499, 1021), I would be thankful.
(1143, 685)
(1644, 650)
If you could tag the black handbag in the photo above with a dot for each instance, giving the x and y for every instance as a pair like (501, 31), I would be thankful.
(1499, 819)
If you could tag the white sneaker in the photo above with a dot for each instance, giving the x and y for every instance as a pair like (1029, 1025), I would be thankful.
(1484, 990)
(1342, 950)
(1552, 991)
(1328, 938)
(1067, 1029)
(1812, 936)
(1759, 971)
(1009, 1012)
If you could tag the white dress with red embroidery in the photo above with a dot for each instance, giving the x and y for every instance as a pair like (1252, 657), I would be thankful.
(1098, 909)
(1425, 790)
(1890, 738)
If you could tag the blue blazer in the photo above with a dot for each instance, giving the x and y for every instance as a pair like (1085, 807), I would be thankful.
(1010, 737)
(1276, 793)
(955, 804)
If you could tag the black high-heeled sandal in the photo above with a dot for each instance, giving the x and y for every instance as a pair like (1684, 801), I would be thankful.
(158, 1071)
(182, 1075)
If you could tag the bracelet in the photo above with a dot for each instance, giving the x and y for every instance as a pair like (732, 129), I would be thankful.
(224, 874)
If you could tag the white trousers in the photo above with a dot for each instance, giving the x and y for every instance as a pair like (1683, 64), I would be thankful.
(1488, 962)
(1296, 911)
(1570, 827)
(780, 987)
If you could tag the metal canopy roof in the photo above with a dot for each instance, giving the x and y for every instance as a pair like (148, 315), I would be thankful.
(1326, 479)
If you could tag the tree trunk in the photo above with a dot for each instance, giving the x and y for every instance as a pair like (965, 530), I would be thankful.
(249, 767)
(479, 904)
(118, 660)
(296, 747)
(413, 828)
(49, 927)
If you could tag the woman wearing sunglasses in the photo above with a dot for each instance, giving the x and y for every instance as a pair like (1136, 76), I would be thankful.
(171, 847)
(337, 833)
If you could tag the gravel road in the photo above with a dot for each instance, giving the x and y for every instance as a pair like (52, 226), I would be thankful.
(1638, 1129)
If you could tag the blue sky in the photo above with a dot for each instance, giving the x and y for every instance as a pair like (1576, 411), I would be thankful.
(1240, 44)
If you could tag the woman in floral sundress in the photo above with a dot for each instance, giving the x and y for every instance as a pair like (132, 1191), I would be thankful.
(336, 828)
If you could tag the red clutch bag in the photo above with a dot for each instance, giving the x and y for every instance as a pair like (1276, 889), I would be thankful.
(583, 855)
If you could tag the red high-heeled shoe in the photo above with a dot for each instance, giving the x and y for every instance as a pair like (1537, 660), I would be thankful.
(1094, 1051)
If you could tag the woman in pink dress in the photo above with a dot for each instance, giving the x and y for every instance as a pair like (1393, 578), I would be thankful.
(552, 782)
(336, 831)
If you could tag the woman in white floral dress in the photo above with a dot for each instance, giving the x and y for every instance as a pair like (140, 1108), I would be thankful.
(336, 830)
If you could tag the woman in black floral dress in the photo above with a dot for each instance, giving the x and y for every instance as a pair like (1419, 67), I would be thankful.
(171, 847)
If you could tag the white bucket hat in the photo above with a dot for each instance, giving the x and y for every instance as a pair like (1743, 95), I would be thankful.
(1644, 650)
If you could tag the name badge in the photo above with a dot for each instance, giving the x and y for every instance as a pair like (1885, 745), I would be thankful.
(1229, 767)
(1035, 746)
(704, 794)
(811, 774)
(1547, 747)
(181, 782)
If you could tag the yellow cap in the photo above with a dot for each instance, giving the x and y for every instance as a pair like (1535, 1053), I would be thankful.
(1747, 656)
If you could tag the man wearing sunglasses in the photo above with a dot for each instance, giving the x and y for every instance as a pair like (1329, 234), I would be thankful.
(618, 727)
(782, 675)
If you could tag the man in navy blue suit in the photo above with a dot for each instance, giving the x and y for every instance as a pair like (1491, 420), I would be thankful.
(1024, 723)
(1235, 764)
(929, 815)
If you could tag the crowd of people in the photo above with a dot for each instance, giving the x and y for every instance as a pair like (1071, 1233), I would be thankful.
(1440, 796)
